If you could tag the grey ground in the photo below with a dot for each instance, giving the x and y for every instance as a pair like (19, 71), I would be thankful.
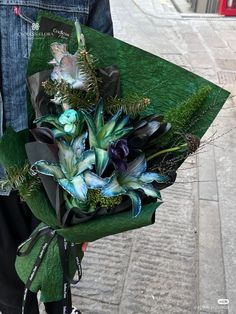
(187, 260)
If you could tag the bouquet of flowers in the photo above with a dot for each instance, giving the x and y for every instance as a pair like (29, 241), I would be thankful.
(111, 125)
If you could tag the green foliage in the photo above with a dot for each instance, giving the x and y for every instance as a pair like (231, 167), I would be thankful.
(181, 116)
(75, 97)
(131, 105)
(22, 180)
(191, 145)
(96, 199)
(87, 65)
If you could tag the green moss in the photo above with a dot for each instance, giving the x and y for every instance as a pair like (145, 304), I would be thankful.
(96, 199)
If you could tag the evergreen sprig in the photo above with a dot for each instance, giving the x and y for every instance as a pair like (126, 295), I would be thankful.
(75, 97)
(21, 179)
(132, 104)
(87, 66)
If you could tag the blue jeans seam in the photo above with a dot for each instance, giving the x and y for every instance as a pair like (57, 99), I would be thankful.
(72, 9)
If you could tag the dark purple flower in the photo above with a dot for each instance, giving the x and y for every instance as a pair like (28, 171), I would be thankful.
(147, 131)
(118, 152)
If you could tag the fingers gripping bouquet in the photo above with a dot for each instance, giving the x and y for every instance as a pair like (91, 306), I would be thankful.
(99, 152)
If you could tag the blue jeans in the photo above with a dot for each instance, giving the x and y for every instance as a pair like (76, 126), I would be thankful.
(15, 45)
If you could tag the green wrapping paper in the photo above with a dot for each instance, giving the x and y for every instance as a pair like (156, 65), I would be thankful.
(110, 224)
(165, 83)
(50, 270)
(141, 72)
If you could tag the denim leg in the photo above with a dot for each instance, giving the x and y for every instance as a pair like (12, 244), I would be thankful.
(100, 16)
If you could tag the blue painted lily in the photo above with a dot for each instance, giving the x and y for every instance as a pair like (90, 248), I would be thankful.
(133, 180)
(66, 67)
(73, 172)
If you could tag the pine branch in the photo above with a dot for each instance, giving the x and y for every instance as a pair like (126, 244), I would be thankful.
(75, 97)
(87, 66)
(132, 105)
(21, 179)
(5, 184)
(50, 87)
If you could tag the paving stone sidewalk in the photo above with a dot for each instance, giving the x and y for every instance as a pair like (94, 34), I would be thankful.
(187, 260)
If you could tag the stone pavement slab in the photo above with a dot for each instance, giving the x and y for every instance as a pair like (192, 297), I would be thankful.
(225, 168)
(208, 189)
(211, 260)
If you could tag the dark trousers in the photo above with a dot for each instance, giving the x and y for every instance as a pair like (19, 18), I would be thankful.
(16, 224)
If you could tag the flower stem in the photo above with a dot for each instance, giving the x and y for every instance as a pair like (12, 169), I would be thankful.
(68, 203)
(167, 150)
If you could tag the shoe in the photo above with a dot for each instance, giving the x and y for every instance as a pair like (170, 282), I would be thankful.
(75, 311)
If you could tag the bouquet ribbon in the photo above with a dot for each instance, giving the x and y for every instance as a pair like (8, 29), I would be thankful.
(64, 248)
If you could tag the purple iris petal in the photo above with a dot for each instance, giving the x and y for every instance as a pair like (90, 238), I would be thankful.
(118, 153)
